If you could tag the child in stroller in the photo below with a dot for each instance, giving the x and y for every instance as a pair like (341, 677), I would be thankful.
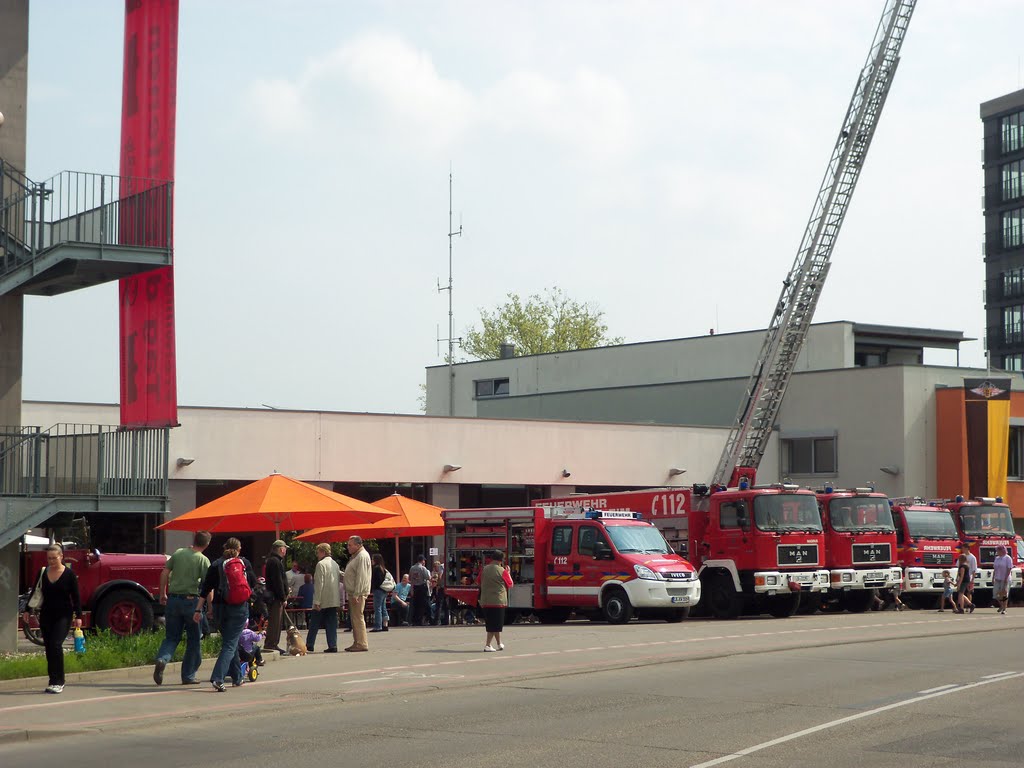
(249, 652)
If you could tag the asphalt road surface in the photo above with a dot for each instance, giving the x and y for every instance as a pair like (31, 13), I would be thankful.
(908, 689)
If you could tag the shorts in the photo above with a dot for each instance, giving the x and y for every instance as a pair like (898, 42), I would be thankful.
(963, 587)
(947, 593)
(999, 588)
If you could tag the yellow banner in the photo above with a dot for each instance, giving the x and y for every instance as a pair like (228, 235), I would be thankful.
(998, 446)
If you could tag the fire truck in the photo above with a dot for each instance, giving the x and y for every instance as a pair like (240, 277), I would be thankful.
(119, 592)
(860, 546)
(927, 544)
(608, 564)
(984, 524)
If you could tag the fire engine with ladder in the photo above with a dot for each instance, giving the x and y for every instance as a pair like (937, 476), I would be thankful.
(759, 548)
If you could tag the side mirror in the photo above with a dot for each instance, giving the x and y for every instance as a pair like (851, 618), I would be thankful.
(602, 551)
(743, 521)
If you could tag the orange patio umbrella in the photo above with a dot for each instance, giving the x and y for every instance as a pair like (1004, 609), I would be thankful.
(276, 503)
(409, 518)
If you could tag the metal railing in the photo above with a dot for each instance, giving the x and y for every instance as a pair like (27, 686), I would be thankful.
(76, 207)
(84, 460)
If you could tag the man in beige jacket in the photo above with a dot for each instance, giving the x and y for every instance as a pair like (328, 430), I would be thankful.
(326, 600)
(357, 587)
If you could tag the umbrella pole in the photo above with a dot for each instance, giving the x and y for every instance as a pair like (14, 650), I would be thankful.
(398, 564)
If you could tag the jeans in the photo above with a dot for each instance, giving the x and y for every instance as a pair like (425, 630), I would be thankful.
(380, 608)
(328, 618)
(231, 619)
(178, 620)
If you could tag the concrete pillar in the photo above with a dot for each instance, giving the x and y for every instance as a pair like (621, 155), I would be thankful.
(14, 106)
(182, 499)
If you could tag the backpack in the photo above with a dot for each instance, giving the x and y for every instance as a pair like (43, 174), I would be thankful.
(235, 588)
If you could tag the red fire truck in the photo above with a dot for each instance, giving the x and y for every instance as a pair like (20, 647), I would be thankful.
(984, 524)
(860, 546)
(119, 592)
(758, 548)
(926, 545)
(607, 564)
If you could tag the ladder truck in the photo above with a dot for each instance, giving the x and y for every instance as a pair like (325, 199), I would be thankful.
(731, 517)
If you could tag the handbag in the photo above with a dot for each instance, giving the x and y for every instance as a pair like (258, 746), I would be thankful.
(36, 601)
(388, 585)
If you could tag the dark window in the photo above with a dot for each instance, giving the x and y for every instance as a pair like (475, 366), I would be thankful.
(1015, 460)
(810, 456)
(1013, 283)
(589, 536)
(1013, 228)
(561, 540)
(491, 387)
(1013, 324)
(730, 515)
(1013, 180)
(1011, 129)
(1014, 362)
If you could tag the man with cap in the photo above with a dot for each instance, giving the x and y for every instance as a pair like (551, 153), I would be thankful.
(277, 590)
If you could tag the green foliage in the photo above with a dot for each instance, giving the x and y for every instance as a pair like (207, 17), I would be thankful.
(544, 323)
(103, 650)
(305, 551)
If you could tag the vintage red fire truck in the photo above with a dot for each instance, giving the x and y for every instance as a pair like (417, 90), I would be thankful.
(984, 524)
(607, 564)
(860, 546)
(927, 544)
(119, 592)
(758, 548)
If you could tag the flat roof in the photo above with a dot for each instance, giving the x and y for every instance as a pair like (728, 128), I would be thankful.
(1007, 103)
(901, 336)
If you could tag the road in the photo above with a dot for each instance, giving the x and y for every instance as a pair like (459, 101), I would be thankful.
(910, 689)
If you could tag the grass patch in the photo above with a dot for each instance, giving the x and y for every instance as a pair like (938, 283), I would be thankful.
(103, 650)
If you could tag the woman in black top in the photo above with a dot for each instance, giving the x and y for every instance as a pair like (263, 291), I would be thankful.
(61, 607)
(380, 597)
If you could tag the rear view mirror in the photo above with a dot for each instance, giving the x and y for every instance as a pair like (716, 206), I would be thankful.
(602, 551)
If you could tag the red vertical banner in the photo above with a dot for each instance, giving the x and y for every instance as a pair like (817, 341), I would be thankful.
(149, 396)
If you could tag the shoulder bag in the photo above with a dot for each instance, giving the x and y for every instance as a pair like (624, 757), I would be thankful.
(36, 601)
(388, 585)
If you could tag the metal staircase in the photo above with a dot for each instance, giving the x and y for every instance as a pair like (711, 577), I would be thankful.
(801, 289)
(79, 468)
(76, 230)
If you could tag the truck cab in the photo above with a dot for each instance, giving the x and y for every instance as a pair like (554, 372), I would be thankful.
(860, 545)
(610, 564)
(984, 524)
(926, 545)
(758, 548)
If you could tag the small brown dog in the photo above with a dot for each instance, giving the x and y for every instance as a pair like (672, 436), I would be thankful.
(296, 647)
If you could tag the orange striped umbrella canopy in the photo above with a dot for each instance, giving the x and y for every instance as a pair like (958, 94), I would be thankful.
(277, 503)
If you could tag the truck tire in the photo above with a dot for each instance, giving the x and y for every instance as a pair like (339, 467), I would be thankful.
(783, 606)
(724, 601)
(553, 616)
(617, 608)
(124, 613)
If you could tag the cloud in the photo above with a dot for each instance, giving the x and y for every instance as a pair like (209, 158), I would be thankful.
(380, 84)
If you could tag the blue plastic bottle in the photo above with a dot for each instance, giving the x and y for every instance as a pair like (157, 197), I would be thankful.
(79, 640)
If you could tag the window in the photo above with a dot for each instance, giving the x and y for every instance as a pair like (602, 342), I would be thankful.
(1011, 130)
(491, 387)
(809, 456)
(1013, 228)
(1015, 460)
(1014, 362)
(1013, 180)
(733, 515)
(1013, 283)
(561, 540)
(1013, 324)
(590, 535)
(868, 359)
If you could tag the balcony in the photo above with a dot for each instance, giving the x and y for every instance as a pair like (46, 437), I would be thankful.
(77, 230)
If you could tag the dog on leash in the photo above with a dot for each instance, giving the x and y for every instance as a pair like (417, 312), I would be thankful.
(296, 647)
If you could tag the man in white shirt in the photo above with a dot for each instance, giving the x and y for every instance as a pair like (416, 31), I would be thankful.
(296, 578)
(326, 600)
(1001, 568)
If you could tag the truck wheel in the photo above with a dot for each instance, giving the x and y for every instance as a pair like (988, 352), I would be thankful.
(723, 599)
(783, 606)
(124, 613)
(857, 602)
(553, 616)
(617, 608)
(674, 617)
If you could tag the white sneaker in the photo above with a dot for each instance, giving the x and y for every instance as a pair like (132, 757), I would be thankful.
(54, 689)
(501, 646)
(488, 649)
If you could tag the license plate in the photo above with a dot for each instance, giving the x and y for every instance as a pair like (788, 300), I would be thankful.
(873, 576)
(680, 599)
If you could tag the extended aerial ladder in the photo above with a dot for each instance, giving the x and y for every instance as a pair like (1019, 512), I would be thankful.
(801, 289)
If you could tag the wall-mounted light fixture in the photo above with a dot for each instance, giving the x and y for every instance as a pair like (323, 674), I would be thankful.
(452, 467)
(890, 470)
(566, 473)
(673, 471)
(184, 461)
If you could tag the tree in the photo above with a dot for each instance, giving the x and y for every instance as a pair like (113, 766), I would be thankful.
(544, 323)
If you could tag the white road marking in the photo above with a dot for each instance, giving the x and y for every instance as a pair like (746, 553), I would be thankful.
(999, 674)
(939, 688)
(851, 718)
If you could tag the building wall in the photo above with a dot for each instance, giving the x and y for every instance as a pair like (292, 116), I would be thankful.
(704, 358)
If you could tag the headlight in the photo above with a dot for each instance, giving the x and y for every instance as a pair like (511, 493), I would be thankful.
(645, 573)
(915, 575)
(772, 581)
(847, 577)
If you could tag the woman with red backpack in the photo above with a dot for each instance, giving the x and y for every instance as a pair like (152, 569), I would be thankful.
(226, 590)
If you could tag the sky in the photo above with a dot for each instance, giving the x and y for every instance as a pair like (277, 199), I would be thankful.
(657, 160)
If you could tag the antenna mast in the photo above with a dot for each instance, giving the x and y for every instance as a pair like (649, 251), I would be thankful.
(451, 317)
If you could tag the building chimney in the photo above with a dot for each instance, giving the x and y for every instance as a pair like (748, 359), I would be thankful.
(507, 350)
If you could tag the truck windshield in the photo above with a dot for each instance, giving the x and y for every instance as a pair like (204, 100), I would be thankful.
(633, 539)
(986, 521)
(787, 512)
(926, 524)
(860, 514)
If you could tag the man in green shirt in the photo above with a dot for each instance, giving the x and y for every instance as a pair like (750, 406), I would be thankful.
(179, 593)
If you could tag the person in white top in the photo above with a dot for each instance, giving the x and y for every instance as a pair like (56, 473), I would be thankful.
(1001, 568)
(296, 578)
